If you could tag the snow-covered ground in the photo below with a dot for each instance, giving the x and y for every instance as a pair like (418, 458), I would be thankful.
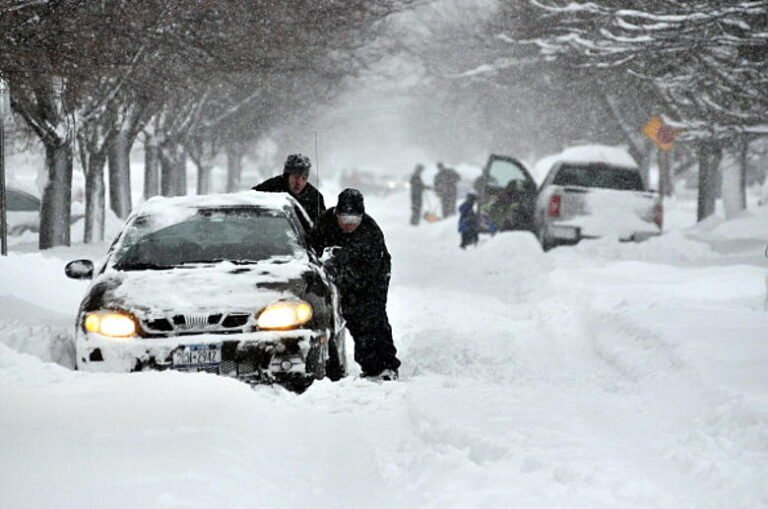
(605, 375)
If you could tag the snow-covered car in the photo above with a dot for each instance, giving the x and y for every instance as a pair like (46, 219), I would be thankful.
(221, 283)
(595, 191)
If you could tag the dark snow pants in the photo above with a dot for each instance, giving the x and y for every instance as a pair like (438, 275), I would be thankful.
(415, 211)
(469, 238)
(374, 347)
(448, 201)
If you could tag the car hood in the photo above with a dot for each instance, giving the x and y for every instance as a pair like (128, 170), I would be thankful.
(200, 288)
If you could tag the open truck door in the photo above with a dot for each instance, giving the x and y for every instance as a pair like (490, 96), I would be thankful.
(506, 194)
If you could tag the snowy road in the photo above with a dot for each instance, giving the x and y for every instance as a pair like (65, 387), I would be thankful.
(602, 376)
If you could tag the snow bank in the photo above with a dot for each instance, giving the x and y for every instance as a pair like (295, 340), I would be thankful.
(749, 224)
(37, 331)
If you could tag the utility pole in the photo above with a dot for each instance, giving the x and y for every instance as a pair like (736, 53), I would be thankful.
(3, 202)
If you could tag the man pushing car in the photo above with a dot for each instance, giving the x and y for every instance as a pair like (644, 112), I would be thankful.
(361, 266)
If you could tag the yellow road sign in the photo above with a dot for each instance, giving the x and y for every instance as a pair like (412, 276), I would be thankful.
(661, 134)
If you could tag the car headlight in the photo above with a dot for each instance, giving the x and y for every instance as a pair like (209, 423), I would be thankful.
(114, 324)
(284, 315)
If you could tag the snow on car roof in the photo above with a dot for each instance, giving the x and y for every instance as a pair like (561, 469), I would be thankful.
(159, 204)
(614, 156)
(169, 210)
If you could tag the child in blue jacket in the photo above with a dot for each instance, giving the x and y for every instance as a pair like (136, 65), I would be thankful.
(469, 224)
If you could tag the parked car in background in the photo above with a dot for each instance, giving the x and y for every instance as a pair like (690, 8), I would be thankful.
(370, 182)
(506, 195)
(23, 211)
(593, 191)
(221, 283)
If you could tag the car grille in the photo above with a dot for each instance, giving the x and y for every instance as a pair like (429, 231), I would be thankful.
(196, 323)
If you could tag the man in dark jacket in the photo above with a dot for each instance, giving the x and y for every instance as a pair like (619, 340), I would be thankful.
(446, 182)
(295, 181)
(417, 189)
(361, 268)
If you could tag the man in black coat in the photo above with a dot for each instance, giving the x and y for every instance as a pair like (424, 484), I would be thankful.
(446, 182)
(295, 181)
(417, 189)
(361, 268)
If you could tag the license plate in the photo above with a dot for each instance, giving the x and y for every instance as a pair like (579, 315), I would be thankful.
(197, 356)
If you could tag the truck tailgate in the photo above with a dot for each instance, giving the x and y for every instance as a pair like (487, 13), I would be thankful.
(608, 212)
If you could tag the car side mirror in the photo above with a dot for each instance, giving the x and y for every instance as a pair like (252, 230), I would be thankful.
(79, 269)
(329, 253)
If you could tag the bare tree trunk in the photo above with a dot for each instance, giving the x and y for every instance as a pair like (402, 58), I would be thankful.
(710, 155)
(644, 164)
(57, 196)
(94, 199)
(734, 190)
(151, 167)
(640, 148)
(204, 168)
(234, 166)
(173, 178)
(743, 163)
(181, 173)
(120, 174)
(167, 175)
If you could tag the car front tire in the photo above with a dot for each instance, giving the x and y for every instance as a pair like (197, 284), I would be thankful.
(334, 368)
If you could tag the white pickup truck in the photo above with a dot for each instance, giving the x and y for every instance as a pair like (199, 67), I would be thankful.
(591, 197)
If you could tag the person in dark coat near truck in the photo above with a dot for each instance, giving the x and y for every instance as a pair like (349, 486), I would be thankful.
(295, 181)
(445, 184)
(360, 267)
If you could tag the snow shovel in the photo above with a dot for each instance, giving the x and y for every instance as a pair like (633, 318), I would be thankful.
(430, 215)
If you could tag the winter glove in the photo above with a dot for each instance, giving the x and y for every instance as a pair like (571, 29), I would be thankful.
(336, 262)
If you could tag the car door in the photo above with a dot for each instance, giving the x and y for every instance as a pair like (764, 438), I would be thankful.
(507, 194)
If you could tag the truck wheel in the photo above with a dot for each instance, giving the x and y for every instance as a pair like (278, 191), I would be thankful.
(546, 244)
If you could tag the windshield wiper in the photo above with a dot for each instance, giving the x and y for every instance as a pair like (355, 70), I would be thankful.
(219, 260)
(142, 266)
(207, 260)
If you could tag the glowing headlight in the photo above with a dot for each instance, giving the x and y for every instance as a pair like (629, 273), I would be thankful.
(114, 324)
(285, 315)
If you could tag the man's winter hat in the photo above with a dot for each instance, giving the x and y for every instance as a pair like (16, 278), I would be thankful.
(297, 164)
(350, 203)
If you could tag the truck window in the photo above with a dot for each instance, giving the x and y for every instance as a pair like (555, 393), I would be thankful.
(502, 172)
(599, 175)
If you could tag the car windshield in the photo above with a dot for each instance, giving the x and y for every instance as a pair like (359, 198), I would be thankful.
(599, 175)
(503, 172)
(239, 235)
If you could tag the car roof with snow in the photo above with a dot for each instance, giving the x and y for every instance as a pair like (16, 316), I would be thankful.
(275, 201)
(169, 210)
